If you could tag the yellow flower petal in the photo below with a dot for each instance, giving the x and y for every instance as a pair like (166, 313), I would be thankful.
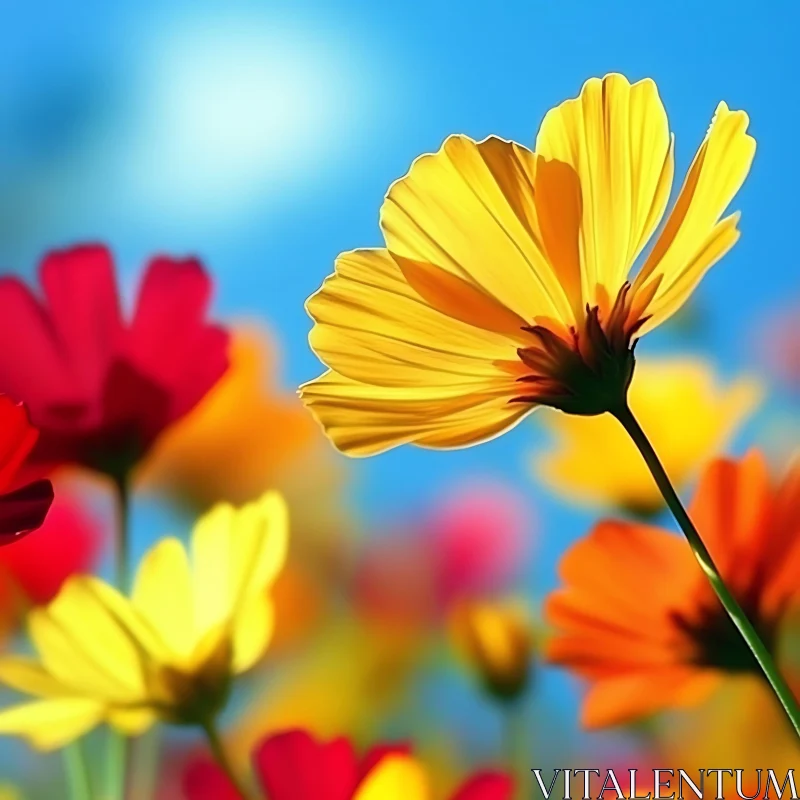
(394, 778)
(666, 395)
(51, 724)
(693, 239)
(362, 420)
(616, 137)
(29, 676)
(237, 554)
(83, 645)
(253, 627)
(469, 209)
(372, 326)
(162, 593)
(132, 721)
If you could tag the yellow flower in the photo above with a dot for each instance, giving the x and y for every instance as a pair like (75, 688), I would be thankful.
(497, 640)
(396, 777)
(168, 652)
(239, 438)
(689, 418)
(506, 281)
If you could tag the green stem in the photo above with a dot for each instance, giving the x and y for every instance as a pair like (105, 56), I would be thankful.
(706, 562)
(117, 744)
(116, 763)
(77, 772)
(147, 766)
(517, 744)
(218, 751)
(122, 551)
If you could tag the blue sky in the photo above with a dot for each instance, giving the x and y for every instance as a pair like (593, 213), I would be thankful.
(262, 136)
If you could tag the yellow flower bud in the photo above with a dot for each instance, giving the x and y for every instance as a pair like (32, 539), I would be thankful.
(496, 639)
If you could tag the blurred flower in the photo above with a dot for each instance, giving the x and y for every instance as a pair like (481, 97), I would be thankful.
(668, 644)
(472, 541)
(350, 677)
(688, 416)
(72, 540)
(780, 345)
(505, 281)
(293, 766)
(478, 535)
(170, 651)
(22, 509)
(9, 792)
(497, 640)
(102, 389)
(743, 725)
(233, 444)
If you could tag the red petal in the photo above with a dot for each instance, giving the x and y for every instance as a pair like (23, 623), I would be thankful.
(24, 510)
(206, 781)
(68, 542)
(81, 293)
(134, 404)
(293, 766)
(31, 365)
(169, 339)
(487, 786)
(17, 438)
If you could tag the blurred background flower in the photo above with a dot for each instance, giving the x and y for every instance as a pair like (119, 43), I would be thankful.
(689, 416)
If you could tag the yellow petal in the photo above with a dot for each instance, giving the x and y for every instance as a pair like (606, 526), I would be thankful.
(131, 721)
(51, 724)
(616, 137)
(394, 778)
(362, 420)
(469, 209)
(162, 593)
(237, 554)
(693, 239)
(253, 627)
(29, 676)
(372, 326)
(84, 646)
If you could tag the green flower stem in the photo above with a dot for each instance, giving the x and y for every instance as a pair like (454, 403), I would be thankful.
(122, 555)
(77, 772)
(218, 751)
(117, 744)
(516, 741)
(704, 559)
(146, 764)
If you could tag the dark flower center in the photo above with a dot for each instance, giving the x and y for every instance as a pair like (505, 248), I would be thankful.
(719, 645)
(584, 370)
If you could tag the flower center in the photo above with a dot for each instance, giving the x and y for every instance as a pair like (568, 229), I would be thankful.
(583, 371)
(718, 644)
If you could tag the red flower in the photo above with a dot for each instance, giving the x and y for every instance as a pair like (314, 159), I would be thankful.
(22, 509)
(72, 540)
(295, 766)
(101, 388)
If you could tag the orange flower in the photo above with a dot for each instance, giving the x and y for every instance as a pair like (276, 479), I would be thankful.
(638, 620)
(231, 446)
